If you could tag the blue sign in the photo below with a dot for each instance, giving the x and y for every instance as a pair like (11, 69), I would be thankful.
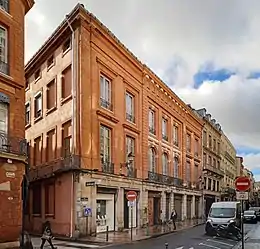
(87, 211)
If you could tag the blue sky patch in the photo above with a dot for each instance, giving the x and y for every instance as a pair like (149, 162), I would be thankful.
(254, 75)
(247, 150)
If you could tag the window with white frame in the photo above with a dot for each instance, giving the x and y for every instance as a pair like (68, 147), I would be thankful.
(3, 118)
(3, 50)
(105, 93)
(175, 135)
(105, 144)
(129, 101)
(176, 167)
(151, 121)
(27, 113)
(152, 160)
(165, 164)
(38, 105)
(164, 129)
(4, 5)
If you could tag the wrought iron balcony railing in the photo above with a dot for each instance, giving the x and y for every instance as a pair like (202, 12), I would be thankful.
(107, 167)
(164, 179)
(4, 4)
(152, 130)
(165, 137)
(59, 165)
(130, 117)
(106, 104)
(13, 145)
(213, 169)
(4, 67)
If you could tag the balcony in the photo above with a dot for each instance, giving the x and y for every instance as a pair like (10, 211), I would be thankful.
(131, 172)
(4, 67)
(107, 167)
(152, 130)
(130, 117)
(106, 104)
(175, 142)
(164, 137)
(164, 179)
(12, 145)
(213, 169)
(50, 169)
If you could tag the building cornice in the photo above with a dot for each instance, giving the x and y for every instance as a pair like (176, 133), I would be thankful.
(28, 4)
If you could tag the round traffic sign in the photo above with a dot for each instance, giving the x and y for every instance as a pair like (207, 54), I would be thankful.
(242, 183)
(131, 195)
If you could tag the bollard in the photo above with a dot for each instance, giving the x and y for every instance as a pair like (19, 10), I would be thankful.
(166, 245)
(107, 233)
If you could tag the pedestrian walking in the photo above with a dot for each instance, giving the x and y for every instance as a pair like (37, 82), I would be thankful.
(47, 235)
(173, 218)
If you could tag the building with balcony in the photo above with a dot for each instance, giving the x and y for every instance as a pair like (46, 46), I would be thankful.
(212, 172)
(13, 147)
(101, 123)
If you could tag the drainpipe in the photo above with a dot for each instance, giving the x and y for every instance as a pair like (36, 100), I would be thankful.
(73, 92)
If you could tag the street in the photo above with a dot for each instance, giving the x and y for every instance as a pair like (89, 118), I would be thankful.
(193, 238)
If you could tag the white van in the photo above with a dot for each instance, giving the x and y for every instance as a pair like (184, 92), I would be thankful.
(221, 213)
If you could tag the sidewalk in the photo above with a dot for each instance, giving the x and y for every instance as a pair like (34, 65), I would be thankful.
(138, 234)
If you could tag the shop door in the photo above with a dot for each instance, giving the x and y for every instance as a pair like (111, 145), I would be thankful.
(150, 211)
(156, 210)
(197, 207)
(209, 201)
(188, 205)
(178, 206)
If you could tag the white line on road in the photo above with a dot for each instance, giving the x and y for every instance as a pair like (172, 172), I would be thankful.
(202, 244)
(179, 247)
(215, 237)
(220, 242)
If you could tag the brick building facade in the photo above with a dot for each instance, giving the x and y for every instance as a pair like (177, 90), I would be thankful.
(13, 147)
(101, 123)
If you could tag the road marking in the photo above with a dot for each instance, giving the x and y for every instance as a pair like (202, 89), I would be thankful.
(179, 247)
(220, 242)
(216, 237)
(202, 244)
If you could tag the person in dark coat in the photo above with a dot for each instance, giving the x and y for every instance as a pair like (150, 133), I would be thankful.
(173, 218)
(47, 235)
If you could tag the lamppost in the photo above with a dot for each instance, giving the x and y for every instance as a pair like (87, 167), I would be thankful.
(128, 165)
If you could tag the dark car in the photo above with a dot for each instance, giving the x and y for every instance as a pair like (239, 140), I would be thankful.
(250, 216)
(257, 210)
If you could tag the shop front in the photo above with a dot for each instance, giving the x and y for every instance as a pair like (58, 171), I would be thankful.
(154, 207)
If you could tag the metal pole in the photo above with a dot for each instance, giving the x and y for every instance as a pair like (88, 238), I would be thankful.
(131, 222)
(107, 233)
(242, 224)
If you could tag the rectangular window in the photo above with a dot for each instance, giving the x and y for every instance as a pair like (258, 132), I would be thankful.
(129, 101)
(210, 161)
(66, 45)
(188, 172)
(50, 199)
(37, 151)
(214, 144)
(196, 173)
(204, 160)
(175, 135)
(37, 199)
(218, 149)
(66, 83)
(209, 184)
(196, 147)
(66, 139)
(38, 105)
(51, 94)
(37, 74)
(218, 164)
(151, 121)
(130, 148)
(50, 61)
(214, 162)
(27, 113)
(210, 142)
(188, 142)
(214, 185)
(205, 138)
(105, 144)
(51, 146)
(3, 118)
(164, 129)
(105, 93)
(4, 68)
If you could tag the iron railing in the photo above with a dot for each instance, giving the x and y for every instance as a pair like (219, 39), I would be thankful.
(132, 172)
(107, 167)
(59, 165)
(152, 130)
(213, 169)
(106, 104)
(130, 117)
(13, 145)
(165, 137)
(4, 4)
(4, 67)
(165, 179)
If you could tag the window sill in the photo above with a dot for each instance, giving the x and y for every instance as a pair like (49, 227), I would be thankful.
(64, 100)
(36, 80)
(27, 126)
(6, 13)
(37, 215)
(37, 119)
(66, 51)
(50, 67)
(50, 215)
(49, 111)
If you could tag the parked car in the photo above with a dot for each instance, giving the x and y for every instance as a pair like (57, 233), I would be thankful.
(222, 213)
(257, 210)
(250, 216)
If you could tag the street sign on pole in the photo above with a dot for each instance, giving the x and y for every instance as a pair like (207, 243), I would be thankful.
(242, 183)
(242, 196)
(131, 195)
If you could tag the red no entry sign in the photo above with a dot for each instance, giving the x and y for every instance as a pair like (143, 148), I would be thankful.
(131, 195)
(242, 183)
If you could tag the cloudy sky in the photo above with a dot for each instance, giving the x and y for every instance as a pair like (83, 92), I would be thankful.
(207, 51)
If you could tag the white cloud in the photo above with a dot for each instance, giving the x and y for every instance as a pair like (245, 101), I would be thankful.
(175, 38)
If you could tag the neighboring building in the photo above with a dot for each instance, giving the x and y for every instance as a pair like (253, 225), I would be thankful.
(100, 123)
(212, 172)
(249, 174)
(239, 165)
(13, 147)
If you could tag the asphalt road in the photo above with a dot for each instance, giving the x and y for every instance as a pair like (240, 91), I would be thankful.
(193, 238)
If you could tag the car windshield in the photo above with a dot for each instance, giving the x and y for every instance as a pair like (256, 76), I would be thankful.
(250, 212)
(222, 212)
